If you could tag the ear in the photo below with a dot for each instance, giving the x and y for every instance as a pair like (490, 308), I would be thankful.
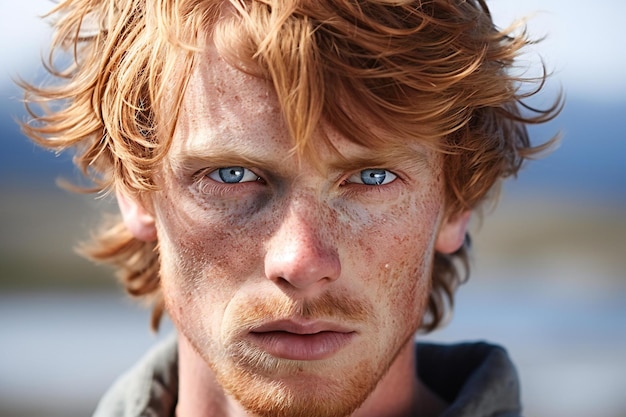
(139, 222)
(452, 233)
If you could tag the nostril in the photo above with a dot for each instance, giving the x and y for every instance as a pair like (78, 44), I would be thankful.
(302, 266)
(299, 253)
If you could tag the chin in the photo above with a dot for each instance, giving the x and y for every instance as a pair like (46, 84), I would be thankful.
(301, 397)
(299, 389)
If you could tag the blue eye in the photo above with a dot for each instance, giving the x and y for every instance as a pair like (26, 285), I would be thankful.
(233, 175)
(373, 177)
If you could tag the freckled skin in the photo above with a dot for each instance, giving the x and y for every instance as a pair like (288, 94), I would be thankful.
(228, 251)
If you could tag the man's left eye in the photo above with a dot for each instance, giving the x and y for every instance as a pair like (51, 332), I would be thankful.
(233, 175)
(373, 177)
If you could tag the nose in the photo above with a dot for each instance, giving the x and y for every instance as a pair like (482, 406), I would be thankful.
(300, 254)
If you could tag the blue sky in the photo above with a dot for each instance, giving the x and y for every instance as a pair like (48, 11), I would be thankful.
(583, 45)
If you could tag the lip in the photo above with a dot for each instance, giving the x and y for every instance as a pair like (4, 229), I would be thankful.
(303, 341)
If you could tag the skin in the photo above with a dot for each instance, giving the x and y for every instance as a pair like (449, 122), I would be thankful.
(296, 292)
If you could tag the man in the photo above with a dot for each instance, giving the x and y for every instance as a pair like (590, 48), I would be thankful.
(295, 180)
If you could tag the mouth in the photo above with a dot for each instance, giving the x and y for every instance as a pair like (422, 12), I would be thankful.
(307, 341)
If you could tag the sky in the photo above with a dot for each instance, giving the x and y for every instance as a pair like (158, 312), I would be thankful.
(582, 46)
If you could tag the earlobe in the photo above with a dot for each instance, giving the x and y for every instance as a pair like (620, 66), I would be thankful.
(137, 219)
(452, 233)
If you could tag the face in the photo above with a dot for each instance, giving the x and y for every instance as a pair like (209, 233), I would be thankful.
(298, 284)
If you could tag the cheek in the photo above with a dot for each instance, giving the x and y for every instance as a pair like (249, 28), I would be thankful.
(396, 252)
(205, 253)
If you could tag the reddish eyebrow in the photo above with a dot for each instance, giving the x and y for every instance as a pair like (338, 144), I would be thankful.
(397, 156)
(191, 160)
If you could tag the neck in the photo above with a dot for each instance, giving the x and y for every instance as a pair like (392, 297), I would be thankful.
(199, 393)
(400, 393)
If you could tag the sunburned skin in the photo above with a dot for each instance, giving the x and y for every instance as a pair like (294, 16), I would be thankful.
(298, 289)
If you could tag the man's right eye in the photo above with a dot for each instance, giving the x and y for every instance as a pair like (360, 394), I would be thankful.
(233, 175)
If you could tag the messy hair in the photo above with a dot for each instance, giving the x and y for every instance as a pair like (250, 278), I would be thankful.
(436, 71)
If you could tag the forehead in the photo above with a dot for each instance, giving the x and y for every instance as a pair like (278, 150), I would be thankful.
(218, 94)
(225, 108)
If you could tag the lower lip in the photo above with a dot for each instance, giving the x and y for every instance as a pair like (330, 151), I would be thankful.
(301, 347)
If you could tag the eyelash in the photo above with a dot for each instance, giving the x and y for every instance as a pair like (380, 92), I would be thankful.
(245, 173)
(204, 184)
(387, 177)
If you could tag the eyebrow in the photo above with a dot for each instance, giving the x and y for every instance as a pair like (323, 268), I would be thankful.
(383, 158)
(194, 159)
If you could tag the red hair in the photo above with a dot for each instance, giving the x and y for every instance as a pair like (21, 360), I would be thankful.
(437, 71)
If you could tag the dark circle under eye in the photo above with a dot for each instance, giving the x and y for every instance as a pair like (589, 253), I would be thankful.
(231, 175)
(373, 176)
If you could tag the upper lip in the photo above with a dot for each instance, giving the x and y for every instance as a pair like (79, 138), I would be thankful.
(301, 327)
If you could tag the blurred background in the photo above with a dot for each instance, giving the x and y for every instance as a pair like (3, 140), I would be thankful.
(548, 279)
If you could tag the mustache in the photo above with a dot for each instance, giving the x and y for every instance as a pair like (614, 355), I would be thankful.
(332, 307)
(245, 317)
